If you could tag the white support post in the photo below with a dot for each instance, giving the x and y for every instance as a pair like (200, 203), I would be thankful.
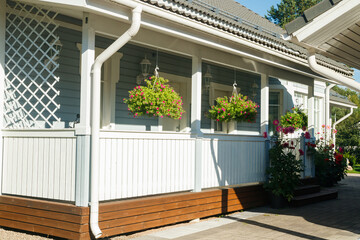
(83, 128)
(196, 118)
(2, 78)
(264, 105)
(87, 60)
(311, 106)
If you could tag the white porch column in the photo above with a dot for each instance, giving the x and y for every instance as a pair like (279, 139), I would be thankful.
(83, 130)
(311, 106)
(2, 78)
(264, 105)
(196, 118)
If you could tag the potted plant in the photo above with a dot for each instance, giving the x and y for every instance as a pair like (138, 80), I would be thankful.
(156, 99)
(235, 108)
(284, 170)
(296, 119)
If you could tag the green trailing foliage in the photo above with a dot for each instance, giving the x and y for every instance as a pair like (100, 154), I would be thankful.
(156, 99)
(237, 107)
(296, 119)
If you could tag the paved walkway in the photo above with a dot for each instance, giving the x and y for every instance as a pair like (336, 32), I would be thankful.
(333, 219)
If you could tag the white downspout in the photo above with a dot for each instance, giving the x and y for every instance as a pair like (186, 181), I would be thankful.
(95, 115)
(332, 75)
(340, 120)
(327, 110)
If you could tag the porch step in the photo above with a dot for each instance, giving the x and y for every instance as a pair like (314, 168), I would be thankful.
(324, 194)
(309, 181)
(306, 189)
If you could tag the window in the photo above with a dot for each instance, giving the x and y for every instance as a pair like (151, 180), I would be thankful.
(301, 101)
(275, 109)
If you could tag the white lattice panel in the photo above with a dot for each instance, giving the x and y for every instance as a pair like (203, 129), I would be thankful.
(32, 48)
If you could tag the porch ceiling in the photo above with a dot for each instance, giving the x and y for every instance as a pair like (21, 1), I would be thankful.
(332, 28)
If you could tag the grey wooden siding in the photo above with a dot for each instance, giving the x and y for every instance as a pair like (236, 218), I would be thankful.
(69, 74)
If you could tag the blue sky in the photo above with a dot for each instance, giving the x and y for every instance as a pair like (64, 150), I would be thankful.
(261, 7)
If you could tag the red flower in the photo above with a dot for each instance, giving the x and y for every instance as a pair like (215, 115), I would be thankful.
(304, 128)
(301, 152)
(265, 135)
(326, 159)
(341, 150)
(276, 122)
(307, 135)
(285, 145)
(338, 158)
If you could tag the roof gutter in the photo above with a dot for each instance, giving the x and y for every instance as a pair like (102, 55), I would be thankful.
(330, 74)
(340, 120)
(95, 113)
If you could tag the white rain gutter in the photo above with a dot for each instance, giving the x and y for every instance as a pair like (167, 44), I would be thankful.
(327, 110)
(330, 74)
(95, 113)
(340, 120)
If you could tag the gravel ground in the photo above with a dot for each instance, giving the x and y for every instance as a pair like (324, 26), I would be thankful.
(6, 234)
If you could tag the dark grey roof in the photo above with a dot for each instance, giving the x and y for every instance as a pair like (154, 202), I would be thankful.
(232, 17)
(310, 14)
(245, 14)
(336, 97)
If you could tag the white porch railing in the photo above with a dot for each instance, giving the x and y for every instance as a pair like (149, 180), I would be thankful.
(230, 160)
(39, 163)
(138, 164)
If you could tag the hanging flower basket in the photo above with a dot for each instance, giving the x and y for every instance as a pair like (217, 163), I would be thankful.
(296, 119)
(237, 107)
(157, 99)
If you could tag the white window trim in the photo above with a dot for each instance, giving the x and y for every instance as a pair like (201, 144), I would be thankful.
(281, 102)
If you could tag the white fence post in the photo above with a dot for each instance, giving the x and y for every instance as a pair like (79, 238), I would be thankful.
(196, 118)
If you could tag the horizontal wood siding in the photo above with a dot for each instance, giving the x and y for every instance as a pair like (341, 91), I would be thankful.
(43, 167)
(120, 217)
(134, 164)
(232, 161)
(50, 218)
(69, 74)
(140, 214)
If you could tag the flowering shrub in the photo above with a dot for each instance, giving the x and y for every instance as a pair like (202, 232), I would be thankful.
(330, 164)
(157, 99)
(237, 107)
(296, 119)
(285, 166)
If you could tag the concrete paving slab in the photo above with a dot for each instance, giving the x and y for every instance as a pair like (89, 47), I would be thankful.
(337, 219)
